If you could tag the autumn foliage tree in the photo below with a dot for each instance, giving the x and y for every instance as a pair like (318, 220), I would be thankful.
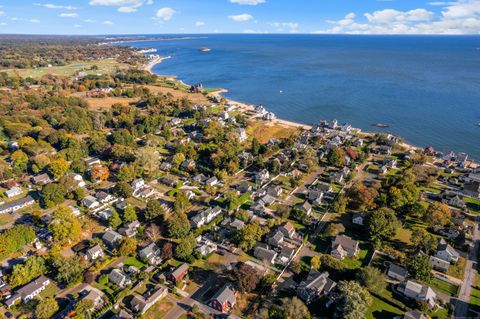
(247, 278)
(362, 197)
(438, 214)
(99, 172)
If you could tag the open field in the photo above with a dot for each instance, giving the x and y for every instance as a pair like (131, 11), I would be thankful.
(380, 309)
(159, 310)
(104, 67)
(196, 98)
(264, 132)
(104, 104)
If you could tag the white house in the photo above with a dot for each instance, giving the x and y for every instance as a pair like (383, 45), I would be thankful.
(14, 191)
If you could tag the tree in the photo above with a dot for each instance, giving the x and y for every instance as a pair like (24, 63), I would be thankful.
(382, 225)
(438, 214)
(315, 262)
(167, 251)
(84, 309)
(178, 225)
(126, 173)
(185, 248)
(334, 229)
(53, 194)
(372, 278)
(99, 172)
(130, 214)
(178, 159)
(65, 227)
(32, 268)
(69, 270)
(425, 240)
(127, 247)
(419, 268)
(247, 278)
(153, 232)
(147, 161)
(362, 197)
(15, 238)
(336, 157)
(289, 308)
(20, 161)
(354, 300)
(153, 210)
(114, 220)
(123, 189)
(58, 168)
(249, 235)
(182, 203)
(340, 205)
(46, 308)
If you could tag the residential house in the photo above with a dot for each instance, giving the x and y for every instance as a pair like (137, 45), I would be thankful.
(396, 272)
(91, 161)
(244, 187)
(105, 214)
(16, 205)
(94, 295)
(90, 202)
(205, 247)
(137, 184)
(104, 197)
(306, 207)
(358, 219)
(178, 274)
(211, 181)
(275, 191)
(242, 134)
(78, 179)
(263, 253)
(205, 217)
(29, 291)
(140, 304)
(14, 191)
(316, 285)
(262, 177)
(418, 292)
(315, 197)
(276, 239)
(343, 246)
(94, 252)
(41, 179)
(288, 230)
(225, 299)
(200, 178)
(267, 200)
(166, 166)
(111, 238)
(188, 165)
(130, 229)
(439, 264)
(447, 252)
(286, 253)
(151, 254)
(119, 278)
(411, 314)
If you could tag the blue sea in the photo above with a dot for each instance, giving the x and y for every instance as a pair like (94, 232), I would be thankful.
(426, 88)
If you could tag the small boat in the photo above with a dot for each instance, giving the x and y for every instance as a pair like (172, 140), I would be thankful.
(380, 125)
(205, 49)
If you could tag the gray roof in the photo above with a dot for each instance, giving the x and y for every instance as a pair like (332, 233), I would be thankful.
(400, 271)
(226, 293)
(20, 202)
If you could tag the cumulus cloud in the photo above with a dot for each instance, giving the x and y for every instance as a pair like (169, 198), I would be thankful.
(68, 15)
(199, 23)
(107, 22)
(77, 26)
(2, 13)
(2, 24)
(165, 14)
(55, 6)
(89, 21)
(291, 27)
(459, 17)
(248, 2)
(34, 21)
(241, 17)
(124, 6)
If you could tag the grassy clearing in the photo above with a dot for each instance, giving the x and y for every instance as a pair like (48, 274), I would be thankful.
(104, 67)
(132, 261)
(264, 132)
(5, 219)
(105, 104)
(457, 270)
(380, 309)
(159, 310)
(445, 287)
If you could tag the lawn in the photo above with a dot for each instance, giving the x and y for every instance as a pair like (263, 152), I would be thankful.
(361, 259)
(132, 261)
(457, 270)
(445, 287)
(264, 133)
(381, 309)
(5, 219)
(159, 310)
(475, 300)
(104, 67)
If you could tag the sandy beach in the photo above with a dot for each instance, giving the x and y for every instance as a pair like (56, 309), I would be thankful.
(149, 66)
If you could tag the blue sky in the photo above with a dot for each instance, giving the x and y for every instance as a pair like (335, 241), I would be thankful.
(240, 16)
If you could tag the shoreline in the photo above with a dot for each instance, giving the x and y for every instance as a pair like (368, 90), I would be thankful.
(247, 107)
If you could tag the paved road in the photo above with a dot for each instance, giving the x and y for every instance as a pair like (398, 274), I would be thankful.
(461, 307)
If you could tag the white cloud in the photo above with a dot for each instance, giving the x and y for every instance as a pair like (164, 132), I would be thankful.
(107, 22)
(124, 6)
(2, 24)
(149, 2)
(241, 17)
(248, 2)
(16, 19)
(291, 27)
(77, 26)
(68, 15)
(89, 21)
(165, 14)
(127, 9)
(34, 21)
(2, 13)
(199, 23)
(55, 6)
(459, 17)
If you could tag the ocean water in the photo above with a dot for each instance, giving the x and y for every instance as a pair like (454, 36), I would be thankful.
(426, 88)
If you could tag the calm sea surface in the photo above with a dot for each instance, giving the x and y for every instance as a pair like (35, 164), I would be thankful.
(426, 88)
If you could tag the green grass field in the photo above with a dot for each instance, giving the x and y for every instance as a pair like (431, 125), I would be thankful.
(132, 261)
(445, 287)
(104, 67)
(382, 310)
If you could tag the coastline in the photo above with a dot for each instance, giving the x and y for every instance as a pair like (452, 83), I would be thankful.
(246, 107)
